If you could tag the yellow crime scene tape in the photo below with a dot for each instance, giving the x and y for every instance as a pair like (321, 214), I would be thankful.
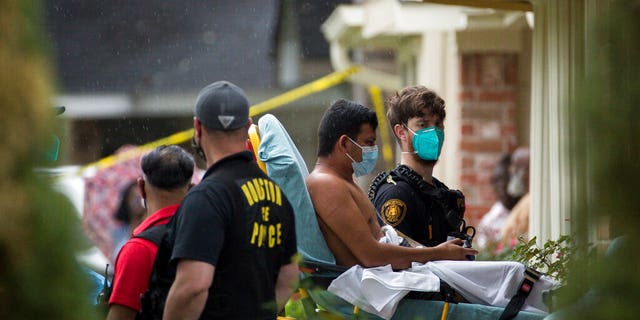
(376, 99)
(315, 86)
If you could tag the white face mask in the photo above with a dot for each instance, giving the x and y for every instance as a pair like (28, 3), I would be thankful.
(516, 187)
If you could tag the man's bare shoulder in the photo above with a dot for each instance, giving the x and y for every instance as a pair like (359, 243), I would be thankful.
(320, 179)
(327, 191)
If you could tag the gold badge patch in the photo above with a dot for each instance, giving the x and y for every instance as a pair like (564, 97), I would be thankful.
(393, 212)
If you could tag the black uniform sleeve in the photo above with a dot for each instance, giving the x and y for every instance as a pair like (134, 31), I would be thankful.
(400, 206)
(396, 205)
(201, 225)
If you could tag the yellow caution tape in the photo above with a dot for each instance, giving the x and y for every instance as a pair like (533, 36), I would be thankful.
(315, 86)
(321, 84)
(176, 138)
(376, 98)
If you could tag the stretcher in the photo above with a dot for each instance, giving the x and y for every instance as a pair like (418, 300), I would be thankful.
(276, 152)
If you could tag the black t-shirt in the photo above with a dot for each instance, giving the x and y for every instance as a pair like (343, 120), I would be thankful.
(238, 220)
(412, 212)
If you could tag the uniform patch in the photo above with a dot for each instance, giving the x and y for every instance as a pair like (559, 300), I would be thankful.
(394, 211)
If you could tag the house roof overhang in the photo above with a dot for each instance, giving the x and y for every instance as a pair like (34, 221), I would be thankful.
(385, 23)
(517, 5)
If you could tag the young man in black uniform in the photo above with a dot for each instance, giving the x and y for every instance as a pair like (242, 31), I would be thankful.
(233, 236)
(408, 197)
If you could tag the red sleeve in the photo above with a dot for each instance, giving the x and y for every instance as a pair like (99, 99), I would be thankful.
(132, 270)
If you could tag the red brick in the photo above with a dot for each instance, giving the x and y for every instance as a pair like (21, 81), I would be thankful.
(510, 113)
(491, 70)
(478, 69)
(467, 162)
(468, 70)
(511, 69)
(466, 129)
(511, 144)
(484, 178)
(468, 179)
(474, 213)
(508, 130)
(497, 96)
(466, 96)
(482, 112)
(484, 190)
(481, 146)
(488, 98)
(487, 163)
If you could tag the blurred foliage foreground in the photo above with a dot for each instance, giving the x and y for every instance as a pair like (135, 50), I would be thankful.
(606, 139)
(39, 233)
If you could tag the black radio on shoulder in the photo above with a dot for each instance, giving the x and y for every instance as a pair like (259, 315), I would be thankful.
(453, 201)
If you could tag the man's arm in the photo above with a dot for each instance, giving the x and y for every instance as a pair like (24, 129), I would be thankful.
(189, 291)
(120, 312)
(286, 284)
(132, 271)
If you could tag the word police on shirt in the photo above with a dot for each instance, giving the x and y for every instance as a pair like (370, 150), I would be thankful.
(263, 191)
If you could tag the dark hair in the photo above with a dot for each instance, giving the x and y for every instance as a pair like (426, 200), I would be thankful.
(342, 117)
(167, 167)
(123, 211)
(409, 102)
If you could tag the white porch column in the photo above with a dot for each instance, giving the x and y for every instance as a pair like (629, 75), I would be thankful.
(559, 46)
(437, 68)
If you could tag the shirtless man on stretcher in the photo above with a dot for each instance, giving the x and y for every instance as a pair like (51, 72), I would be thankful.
(346, 146)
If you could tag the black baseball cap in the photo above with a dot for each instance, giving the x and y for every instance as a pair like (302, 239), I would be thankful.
(222, 106)
(59, 110)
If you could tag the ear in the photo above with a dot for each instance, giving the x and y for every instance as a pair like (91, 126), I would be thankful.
(141, 185)
(249, 123)
(401, 132)
(341, 144)
(197, 128)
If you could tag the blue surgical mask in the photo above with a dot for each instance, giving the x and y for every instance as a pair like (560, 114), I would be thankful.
(427, 142)
(516, 187)
(369, 159)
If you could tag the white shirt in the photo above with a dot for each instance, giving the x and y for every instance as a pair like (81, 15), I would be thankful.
(491, 224)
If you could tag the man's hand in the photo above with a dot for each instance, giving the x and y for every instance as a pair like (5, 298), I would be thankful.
(286, 284)
(453, 250)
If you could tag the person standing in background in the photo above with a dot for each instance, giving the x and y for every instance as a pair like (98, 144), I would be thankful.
(167, 177)
(492, 222)
(130, 213)
(518, 222)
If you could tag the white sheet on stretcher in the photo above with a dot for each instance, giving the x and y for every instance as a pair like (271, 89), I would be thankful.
(379, 290)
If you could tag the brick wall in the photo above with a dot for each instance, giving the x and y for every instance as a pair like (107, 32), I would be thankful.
(488, 98)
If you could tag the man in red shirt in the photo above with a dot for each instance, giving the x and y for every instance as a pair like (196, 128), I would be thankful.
(167, 177)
